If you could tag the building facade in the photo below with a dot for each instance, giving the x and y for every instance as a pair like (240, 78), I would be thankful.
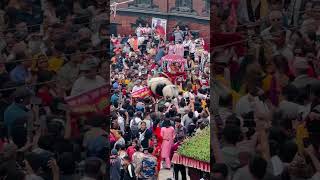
(193, 13)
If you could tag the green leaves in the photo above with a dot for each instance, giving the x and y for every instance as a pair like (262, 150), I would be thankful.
(197, 147)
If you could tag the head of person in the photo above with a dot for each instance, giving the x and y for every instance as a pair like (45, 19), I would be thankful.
(300, 66)
(22, 96)
(42, 62)
(231, 134)
(190, 114)
(219, 171)
(67, 163)
(139, 114)
(178, 122)
(288, 151)
(89, 68)
(258, 167)
(92, 167)
(225, 101)
(166, 123)
(290, 92)
(98, 120)
(21, 30)
(143, 125)
(148, 150)
(126, 160)
(275, 18)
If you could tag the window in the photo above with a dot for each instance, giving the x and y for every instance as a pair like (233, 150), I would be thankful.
(142, 3)
(184, 6)
(206, 9)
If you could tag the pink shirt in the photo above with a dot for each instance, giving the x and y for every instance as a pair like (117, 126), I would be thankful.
(179, 50)
(171, 49)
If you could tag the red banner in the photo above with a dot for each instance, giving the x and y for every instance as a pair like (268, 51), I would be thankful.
(141, 93)
(92, 101)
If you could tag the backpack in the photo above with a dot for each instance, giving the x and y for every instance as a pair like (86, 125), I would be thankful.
(135, 127)
(148, 169)
(97, 147)
(132, 170)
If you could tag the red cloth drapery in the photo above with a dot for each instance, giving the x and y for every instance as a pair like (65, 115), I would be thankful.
(189, 162)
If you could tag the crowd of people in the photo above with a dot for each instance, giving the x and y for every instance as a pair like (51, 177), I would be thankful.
(50, 50)
(147, 130)
(266, 90)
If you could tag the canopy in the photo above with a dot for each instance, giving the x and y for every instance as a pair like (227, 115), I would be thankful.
(173, 58)
(168, 60)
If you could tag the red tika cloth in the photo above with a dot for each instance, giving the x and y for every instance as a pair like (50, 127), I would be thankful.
(189, 162)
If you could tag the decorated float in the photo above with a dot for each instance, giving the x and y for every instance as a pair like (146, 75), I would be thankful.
(173, 67)
(195, 152)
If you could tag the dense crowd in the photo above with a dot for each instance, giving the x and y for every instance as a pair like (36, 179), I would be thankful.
(146, 131)
(267, 90)
(49, 50)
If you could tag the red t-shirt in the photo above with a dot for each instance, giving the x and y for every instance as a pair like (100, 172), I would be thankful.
(130, 151)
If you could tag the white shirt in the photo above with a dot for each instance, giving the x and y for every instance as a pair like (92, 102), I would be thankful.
(192, 47)
(244, 106)
(186, 43)
(137, 121)
(84, 84)
(136, 88)
(121, 123)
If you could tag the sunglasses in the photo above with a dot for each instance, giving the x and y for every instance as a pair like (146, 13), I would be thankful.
(276, 19)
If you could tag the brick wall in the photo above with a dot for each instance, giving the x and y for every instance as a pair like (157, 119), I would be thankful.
(125, 18)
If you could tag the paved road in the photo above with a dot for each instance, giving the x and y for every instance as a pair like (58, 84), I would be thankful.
(165, 174)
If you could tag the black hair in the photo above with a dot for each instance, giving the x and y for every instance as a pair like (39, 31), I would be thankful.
(274, 148)
(46, 142)
(137, 147)
(177, 119)
(139, 114)
(127, 158)
(288, 151)
(231, 134)
(225, 101)
(233, 120)
(315, 89)
(92, 167)
(182, 103)
(220, 168)
(258, 167)
(190, 114)
(290, 92)
(97, 120)
(166, 123)
(67, 163)
(150, 150)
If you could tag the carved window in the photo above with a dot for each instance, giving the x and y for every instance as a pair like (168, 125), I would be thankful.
(143, 3)
(184, 6)
(206, 9)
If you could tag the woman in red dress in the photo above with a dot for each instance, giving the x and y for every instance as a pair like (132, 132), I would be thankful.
(157, 153)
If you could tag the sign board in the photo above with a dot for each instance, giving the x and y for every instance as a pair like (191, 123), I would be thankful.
(160, 27)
